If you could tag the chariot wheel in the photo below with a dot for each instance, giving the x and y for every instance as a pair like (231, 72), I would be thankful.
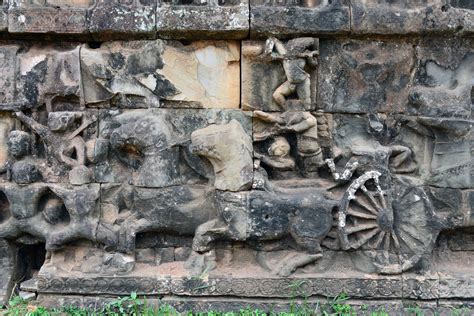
(394, 226)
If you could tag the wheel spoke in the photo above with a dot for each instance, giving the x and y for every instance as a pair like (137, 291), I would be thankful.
(366, 207)
(366, 237)
(386, 243)
(361, 214)
(379, 239)
(361, 227)
(395, 240)
(371, 197)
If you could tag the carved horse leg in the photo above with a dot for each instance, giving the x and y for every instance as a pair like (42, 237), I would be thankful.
(209, 232)
(128, 234)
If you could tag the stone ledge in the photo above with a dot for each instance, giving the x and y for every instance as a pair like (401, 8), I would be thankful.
(363, 287)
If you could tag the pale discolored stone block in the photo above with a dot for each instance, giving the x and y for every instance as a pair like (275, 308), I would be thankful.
(364, 76)
(6, 125)
(143, 74)
(206, 72)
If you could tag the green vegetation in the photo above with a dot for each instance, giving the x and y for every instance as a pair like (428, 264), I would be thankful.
(132, 305)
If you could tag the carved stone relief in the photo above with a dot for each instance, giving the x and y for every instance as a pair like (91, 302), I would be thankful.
(140, 165)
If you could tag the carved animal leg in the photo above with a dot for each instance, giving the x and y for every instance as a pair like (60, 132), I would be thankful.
(106, 236)
(292, 262)
(208, 233)
(128, 233)
(58, 239)
(399, 155)
(198, 263)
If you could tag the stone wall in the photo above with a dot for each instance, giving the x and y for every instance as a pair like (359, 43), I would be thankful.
(218, 153)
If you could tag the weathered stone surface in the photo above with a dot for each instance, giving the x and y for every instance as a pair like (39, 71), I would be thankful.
(4, 16)
(270, 18)
(456, 286)
(7, 265)
(144, 74)
(443, 79)
(364, 76)
(184, 19)
(229, 150)
(35, 75)
(125, 18)
(401, 17)
(164, 168)
(55, 16)
(150, 148)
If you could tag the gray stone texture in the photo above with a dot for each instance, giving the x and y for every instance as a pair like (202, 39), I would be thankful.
(224, 153)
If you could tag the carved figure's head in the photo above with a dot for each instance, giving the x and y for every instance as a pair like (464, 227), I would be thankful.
(62, 121)
(279, 148)
(302, 44)
(18, 144)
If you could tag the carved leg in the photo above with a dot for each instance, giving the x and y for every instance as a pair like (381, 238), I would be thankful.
(106, 236)
(399, 155)
(303, 90)
(293, 262)
(208, 233)
(128, 233)
(282, 92)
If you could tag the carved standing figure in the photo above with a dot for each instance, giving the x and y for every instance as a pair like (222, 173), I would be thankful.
(69, 149)
(295, 55)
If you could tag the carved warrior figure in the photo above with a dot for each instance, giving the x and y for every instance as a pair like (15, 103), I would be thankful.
(20, 167)
(304, 126)
(54, 214)
(295, 56)
(69, 149)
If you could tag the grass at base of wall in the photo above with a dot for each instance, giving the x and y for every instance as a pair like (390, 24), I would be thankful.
(134, 306)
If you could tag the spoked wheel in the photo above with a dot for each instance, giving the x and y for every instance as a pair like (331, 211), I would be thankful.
(397, 232)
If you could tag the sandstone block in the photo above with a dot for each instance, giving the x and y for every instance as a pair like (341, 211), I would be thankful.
(443, 78)
(143, 74)
(184, 19)
(302, 18)
(288, 69)
(151, 148)
(122, 18)
(408, 17)
(61, 17)
(364, 76)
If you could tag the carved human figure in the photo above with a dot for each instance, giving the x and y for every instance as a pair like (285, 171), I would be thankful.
(304, 126)
(54, 214)
(278, 155)
(62, 147)
(19, 166)
(295, 56)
